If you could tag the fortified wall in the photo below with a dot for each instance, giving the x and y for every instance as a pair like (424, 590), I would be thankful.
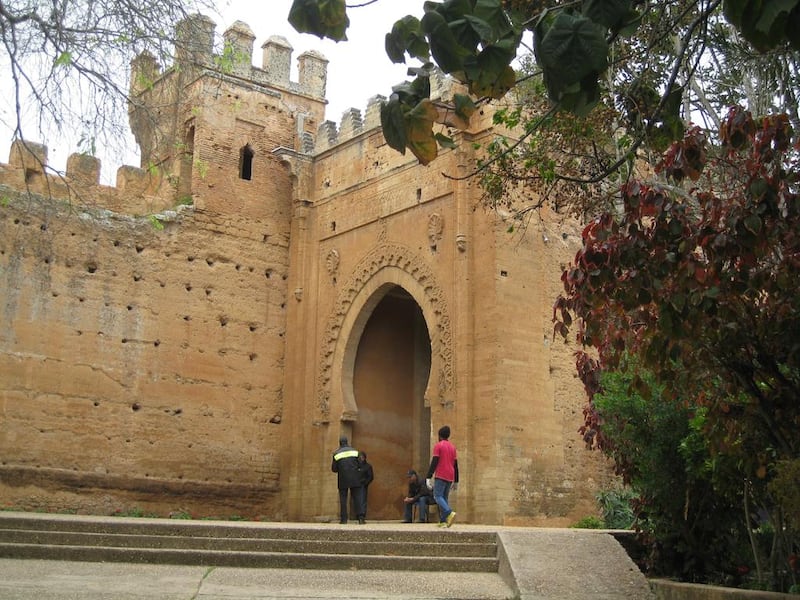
(196, 338)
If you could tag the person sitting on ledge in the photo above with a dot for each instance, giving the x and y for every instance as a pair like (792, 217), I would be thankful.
(419, 495)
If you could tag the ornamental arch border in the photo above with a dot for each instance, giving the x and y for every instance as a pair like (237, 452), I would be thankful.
(385, 267)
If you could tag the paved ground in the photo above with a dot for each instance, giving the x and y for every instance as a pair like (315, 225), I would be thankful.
(55, 580)
(536, 564)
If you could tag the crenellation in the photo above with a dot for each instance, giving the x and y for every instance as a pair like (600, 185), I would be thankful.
(307, 142)
(132, 178)
(145, 70)
(441, 85)
(313, 73)
(327, 136)
(239, 40)
(195, 43)
(372, 118)
(277, 60)
(83, 169)
(351, 124)
(30, 157)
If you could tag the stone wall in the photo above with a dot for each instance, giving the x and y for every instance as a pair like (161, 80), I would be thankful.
(141, 366)
(191, 339)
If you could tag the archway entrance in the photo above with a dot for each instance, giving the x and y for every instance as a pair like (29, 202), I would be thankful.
(390, 373)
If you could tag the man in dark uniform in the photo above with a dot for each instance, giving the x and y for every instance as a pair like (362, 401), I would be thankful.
(345, 465)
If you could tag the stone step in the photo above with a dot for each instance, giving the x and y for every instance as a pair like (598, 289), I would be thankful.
(262, 545)
(227, 529)
(249, 544)
(272, 560)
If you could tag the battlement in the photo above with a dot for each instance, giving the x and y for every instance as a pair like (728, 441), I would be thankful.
(137, 191)
(195, 49)
(151, 190)
(353, 124)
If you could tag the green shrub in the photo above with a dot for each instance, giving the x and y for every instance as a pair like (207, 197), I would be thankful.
(616, 507)
(590, 522)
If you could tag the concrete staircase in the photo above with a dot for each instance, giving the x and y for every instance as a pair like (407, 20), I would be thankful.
(238, 544)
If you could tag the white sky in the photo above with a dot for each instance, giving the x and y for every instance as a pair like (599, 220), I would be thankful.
(357, 70)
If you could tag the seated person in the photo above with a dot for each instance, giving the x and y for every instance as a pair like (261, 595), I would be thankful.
(419, 495)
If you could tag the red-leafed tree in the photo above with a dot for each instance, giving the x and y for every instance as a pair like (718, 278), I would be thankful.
(699, 278)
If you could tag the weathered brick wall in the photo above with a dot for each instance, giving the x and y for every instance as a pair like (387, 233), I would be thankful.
(140, 366)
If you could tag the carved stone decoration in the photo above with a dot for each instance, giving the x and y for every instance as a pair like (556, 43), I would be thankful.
(383, 232)
(435, 229)
(433, 304)
(332, 263)
(461, 242)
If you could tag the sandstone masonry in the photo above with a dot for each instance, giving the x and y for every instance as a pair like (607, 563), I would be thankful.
(196, 338)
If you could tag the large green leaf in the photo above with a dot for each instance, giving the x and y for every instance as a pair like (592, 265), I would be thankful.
(323, 18)
(491, 12)
(793, 28)
(766, 24)
(394, 124)
(613, 14)
(580, 98)
(407, 36)
(572, 48)
(419, 131)
(773, 16)
(495, 87)
(446, 50)
(409, 93)
(490, 73)
(450, 10)
(734, 11)
(482, 30)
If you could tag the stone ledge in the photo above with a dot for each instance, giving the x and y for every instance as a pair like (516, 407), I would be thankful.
(664, 589)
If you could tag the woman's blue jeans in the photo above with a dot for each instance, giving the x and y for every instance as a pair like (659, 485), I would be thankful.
(441, 490)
